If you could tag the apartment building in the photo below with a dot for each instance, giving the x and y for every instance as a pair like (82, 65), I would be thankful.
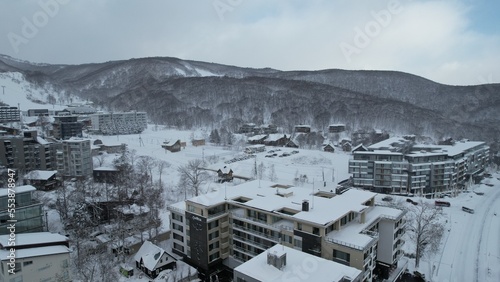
(40, 256)
(75, 158)
(27, 152)
(119, 123)
(65, 127)
(233, 226)
(28, 213)
(9, 114)
(280, 263)
(399, 165)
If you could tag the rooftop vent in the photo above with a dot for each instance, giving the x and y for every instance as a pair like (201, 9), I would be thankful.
(305, 205)
(276, 259)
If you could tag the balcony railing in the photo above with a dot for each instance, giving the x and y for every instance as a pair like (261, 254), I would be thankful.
(256, 233)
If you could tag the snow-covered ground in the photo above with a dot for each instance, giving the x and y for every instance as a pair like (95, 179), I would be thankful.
(470, 247)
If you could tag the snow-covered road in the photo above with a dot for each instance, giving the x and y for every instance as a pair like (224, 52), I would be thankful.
(471, 250)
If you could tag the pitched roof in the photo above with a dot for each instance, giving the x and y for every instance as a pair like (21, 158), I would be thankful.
(40, 174)
(150, 255)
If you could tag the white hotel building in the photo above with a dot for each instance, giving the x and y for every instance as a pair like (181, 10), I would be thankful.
(233, 226)
(119, 123)
(398, 165)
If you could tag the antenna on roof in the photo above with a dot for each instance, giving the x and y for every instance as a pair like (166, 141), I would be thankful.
(225, 191)
(312, 196)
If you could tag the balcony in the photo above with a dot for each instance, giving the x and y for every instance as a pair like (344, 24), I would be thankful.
(255, 233)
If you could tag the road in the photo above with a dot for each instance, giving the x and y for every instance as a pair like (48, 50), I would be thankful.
(471, 250)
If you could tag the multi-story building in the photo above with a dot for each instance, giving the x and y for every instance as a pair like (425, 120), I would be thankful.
(119, 123)
(280, 263)
(235, 225)
(8, 114)
(398, 165)
(28, 152)
(75, 158)
(40, 256)
(65, 127)
(28, 214)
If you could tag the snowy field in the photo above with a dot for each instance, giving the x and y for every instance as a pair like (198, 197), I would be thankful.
(470, 248)
(313, 163)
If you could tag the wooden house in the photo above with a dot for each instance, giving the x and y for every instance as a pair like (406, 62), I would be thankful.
(328, 148)
(276, 140)
(303, 128)
(225, 175)
(257, 139)
(152, 259)
(198, 142)
(176, 147)
(336, 128)
(346, 147)
(42, 179)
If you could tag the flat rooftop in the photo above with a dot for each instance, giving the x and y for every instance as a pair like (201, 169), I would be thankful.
(270, 197)
(314, 268)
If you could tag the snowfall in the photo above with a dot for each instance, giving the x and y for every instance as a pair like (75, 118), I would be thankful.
(470, 247)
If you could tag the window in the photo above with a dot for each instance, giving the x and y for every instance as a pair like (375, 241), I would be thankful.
(177, 217)
(178, 237)
(25, 263)
(213, 235)
(177, 227)
(213, 256)
(213, 224)
(341, 257)
(297, 243)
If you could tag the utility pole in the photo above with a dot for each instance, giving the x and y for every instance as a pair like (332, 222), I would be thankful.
(3, 89)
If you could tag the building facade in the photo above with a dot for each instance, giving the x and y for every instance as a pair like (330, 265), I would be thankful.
(65, 127)
(40, 256)
(28, 152)
(398, 165)
(237, 225)
(28, 213)
(119, 123)
(8, 114)
(75, 158)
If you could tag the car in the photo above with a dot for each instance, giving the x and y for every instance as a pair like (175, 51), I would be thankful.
(387, 199)
(466, 209)
(270, 152)
(409, 200)
(295, 152)
(269, 156)
(286, 154)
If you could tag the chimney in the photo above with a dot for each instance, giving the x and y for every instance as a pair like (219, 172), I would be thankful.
(305, 205)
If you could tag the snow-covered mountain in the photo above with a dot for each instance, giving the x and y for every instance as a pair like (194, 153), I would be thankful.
(195, 94)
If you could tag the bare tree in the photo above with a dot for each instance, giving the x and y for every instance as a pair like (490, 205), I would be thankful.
(192, 176)
(145, 165)
(161, 166)
(100, 159)
(272, 173)
(425, 228)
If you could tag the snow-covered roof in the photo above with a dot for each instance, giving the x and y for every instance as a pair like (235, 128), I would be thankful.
(351, 234)
(105, 168)
(35, 252)
(388, 144)
(133, 209)
(40, 174)
(260, 270)
(257, 137)
(18, 189)
(41, 141)
(275, 137)
(150, 255)
(322, 210)
(36, 238)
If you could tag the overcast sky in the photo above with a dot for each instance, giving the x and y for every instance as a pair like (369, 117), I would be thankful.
(452, 42)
